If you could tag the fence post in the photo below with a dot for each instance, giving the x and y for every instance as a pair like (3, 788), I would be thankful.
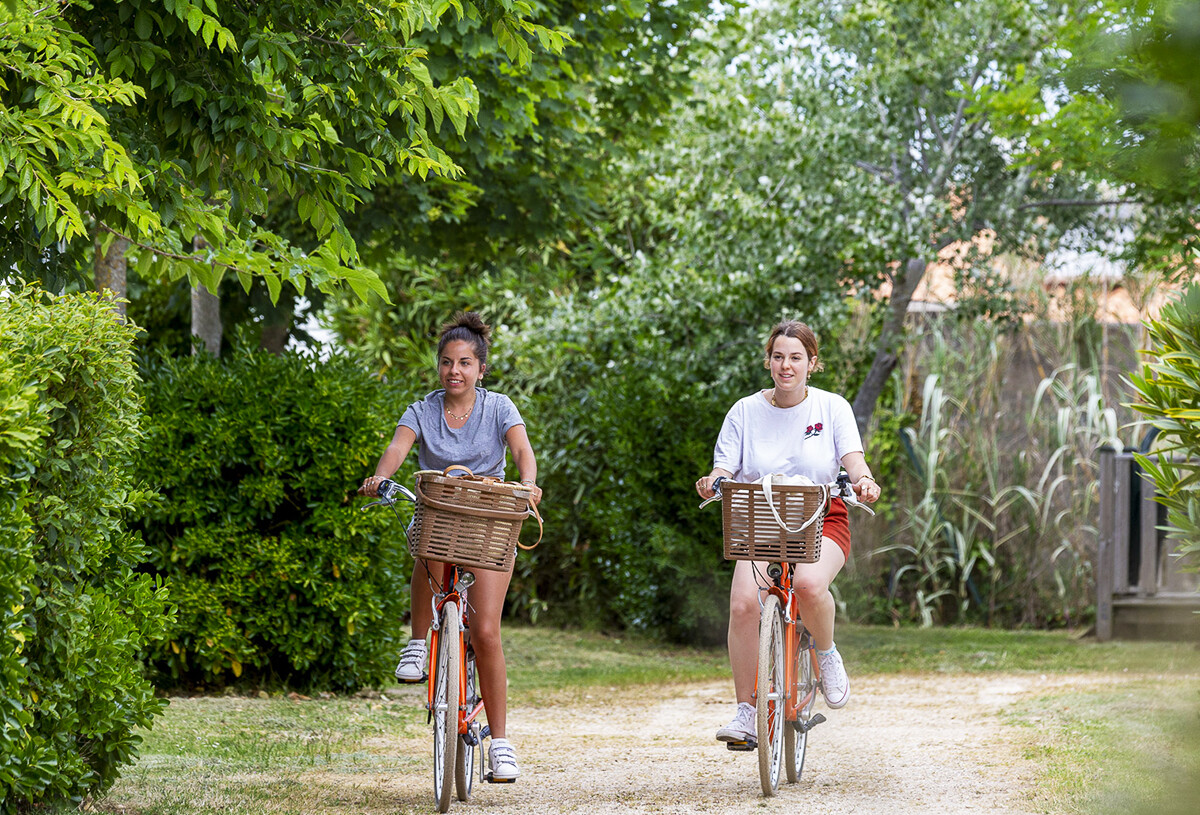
(1148, 569)
(1104, 546)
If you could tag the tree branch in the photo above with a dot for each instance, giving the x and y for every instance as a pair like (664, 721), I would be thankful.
(876, 170)
(1069, 202)
(161, 252)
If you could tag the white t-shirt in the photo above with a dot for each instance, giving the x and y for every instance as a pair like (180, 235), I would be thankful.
(807, 439)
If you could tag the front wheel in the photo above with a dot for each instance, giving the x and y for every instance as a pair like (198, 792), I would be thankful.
(770, 695)
(795, 734)
(464, 764)
(445, 707)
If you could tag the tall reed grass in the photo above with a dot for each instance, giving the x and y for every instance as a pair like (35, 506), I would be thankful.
(994, 520)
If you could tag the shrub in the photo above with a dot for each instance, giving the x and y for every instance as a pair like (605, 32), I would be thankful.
(76, 616)
(1170, 390)
(277, 575)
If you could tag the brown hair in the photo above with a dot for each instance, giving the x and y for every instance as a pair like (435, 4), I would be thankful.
(796, 330)
(468, 327)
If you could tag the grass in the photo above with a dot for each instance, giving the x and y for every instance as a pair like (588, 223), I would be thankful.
(1101, 750)
(1129, 747)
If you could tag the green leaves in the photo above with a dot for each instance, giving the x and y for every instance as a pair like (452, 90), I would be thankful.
(162, 120)
(276, 573)
(1169, 389)
(75, 614)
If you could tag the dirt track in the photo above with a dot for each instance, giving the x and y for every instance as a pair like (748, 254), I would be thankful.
(903, 745)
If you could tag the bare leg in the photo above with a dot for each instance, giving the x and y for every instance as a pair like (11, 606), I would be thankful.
(486, 605)
(811, 582)
(421, 594)
(743, 626)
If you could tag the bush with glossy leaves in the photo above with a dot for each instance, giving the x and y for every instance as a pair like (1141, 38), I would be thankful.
(76, 613)
(277, 575)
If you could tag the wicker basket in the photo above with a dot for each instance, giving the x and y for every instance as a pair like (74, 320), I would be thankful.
(468, 520)
(752, 533)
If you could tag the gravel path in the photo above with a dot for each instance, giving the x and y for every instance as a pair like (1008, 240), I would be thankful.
(903, 746)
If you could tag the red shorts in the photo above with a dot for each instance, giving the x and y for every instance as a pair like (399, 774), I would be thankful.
(837, 525)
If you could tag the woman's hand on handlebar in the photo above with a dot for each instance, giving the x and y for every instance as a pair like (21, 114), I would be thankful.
(704, 485)
(370, 486)
(867, 490)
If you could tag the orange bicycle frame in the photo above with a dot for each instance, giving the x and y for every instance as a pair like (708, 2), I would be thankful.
(449, 578)
(793, 704)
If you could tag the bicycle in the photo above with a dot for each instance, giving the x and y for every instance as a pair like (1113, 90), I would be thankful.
(454, 701)
(788, 672)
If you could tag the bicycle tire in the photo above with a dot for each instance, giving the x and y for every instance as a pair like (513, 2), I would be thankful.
(445, 707)
(769, 703)
(464, 762)
(795, 734)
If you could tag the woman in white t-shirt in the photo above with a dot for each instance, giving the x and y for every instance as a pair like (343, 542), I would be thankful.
(790, 429)
(463, 423)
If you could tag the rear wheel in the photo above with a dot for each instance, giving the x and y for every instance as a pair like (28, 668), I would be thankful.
(770, 695)
(445, 707)
(795, 734)
(464, 763)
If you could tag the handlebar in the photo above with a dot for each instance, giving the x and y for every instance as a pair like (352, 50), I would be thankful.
(390, 492)
(841, 488)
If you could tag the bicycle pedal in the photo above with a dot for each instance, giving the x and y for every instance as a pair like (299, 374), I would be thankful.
(424, 678)
(741, 746)
(804, 727)
(491, 779)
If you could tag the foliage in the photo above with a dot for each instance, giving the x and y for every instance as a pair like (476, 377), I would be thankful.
(537, 164)
(162, 121)
(857, 127)
(1169, 390)
(76, 616)
(995, 525)
(1119, 102)
(277, 575)
(539, 172)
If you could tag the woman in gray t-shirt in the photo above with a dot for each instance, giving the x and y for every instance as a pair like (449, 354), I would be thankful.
(462, 423)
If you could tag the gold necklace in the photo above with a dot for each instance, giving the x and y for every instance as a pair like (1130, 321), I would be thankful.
(800, 402)
(463, 417)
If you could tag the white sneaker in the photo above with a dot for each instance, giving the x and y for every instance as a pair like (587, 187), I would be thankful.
(503, 760)
(835, 685)
(412, 662)
(743, 727)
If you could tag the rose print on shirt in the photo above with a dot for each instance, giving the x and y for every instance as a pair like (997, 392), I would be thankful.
(813, 430)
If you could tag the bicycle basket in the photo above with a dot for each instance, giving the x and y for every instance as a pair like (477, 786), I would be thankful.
(468, 520)
(752, 533)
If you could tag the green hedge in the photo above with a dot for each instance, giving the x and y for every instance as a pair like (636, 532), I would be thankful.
(278, 577)
(76, 616)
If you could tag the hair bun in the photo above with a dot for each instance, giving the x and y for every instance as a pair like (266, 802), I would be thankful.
(471, 321)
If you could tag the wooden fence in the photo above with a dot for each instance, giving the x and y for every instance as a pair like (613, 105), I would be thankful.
(1141, 591)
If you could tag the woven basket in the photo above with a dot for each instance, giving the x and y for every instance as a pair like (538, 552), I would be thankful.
(752, 533)
(468, 520)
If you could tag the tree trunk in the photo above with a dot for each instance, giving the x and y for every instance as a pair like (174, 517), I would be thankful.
(277, 324)
(206, 315)
(887, 352)
(110, 270)
(206, 322)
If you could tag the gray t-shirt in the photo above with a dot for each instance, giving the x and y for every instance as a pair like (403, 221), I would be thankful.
(479, 444)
